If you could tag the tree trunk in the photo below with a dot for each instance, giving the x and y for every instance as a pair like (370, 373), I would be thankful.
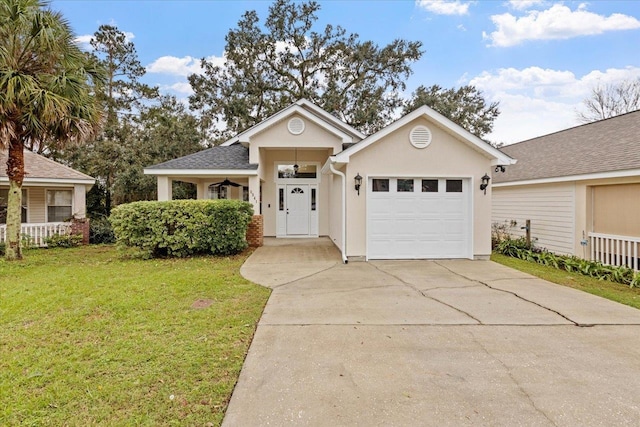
(15, 172)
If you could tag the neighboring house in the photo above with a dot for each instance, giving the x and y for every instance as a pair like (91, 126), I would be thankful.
(580, 188)
(52, 195)
(419, 196)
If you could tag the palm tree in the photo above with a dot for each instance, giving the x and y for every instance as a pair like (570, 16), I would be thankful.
(45, 92)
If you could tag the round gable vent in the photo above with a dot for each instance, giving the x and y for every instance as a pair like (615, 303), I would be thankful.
(420, 137)
(296, 126)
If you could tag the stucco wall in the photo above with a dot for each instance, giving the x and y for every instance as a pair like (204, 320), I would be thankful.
(335, 209)
(394, 156)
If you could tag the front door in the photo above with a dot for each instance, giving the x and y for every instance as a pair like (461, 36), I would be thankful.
(297, 196)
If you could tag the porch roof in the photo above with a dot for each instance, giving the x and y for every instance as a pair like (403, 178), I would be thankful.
(233, 157)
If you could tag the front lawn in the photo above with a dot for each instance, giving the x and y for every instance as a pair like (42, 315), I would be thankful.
(603, 288)
(88, 338)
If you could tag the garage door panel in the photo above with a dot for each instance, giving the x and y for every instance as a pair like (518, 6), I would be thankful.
(418, 224)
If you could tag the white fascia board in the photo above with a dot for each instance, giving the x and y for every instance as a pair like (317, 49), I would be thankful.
(498, 157)
(569, 178)
(329, 117)
(229, 142)
(43, 182)
(201, 172)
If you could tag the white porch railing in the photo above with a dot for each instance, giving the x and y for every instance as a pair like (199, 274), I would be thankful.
(37, 233)
(615, 250)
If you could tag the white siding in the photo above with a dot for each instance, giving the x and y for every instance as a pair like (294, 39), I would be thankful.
(551, 209)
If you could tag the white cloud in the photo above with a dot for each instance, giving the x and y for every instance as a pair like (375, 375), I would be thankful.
(536, 101)
(557, 22)
(525, 4)
(84, 41)
(180, 66)
(444, 7)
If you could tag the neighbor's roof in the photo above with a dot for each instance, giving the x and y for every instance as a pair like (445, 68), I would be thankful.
(40, 168)
(231, 157)
(604, 146)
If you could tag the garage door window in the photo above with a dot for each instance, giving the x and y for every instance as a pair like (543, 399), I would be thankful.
(405, 186)
(429, 185)
(380, 185)
(454, 186)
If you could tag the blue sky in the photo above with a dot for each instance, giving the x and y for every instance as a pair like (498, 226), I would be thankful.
(538, 58)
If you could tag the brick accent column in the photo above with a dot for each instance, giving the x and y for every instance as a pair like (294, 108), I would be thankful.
(81, 226)
(255, 232)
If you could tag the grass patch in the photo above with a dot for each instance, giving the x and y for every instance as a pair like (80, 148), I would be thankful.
(603, 288)
(88, 338)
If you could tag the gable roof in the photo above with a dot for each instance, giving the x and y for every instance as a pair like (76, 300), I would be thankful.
(41, 169)
(604, 146)
(309, 111)
(498, 157)
(233, 157)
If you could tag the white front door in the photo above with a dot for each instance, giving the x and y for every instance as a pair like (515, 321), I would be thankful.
(297, 196)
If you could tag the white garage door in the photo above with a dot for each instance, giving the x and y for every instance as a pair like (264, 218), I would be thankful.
(418, 218)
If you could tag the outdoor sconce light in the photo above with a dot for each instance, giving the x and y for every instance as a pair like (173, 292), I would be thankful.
(358, 180)
(500, 168)
(485, 183)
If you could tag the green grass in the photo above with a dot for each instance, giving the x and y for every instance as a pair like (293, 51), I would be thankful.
(89, 338)
(603, 288)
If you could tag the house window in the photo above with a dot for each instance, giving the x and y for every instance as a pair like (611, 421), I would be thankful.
(380, 185)
(429, 185)
(304, 171)
(454, 186)
(59, 205)
(245, 194)
(404, 186)
(218, 192)
(4, 197)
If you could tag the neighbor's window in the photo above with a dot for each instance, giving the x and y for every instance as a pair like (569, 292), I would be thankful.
(218, 192)
(59, 204)
(404, 186)
(429, 185)
(245, 194)
(380, 185)
(304, 171)
(454, 186)
(4, 196)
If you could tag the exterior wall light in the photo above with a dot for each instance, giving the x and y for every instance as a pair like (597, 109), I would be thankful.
(500, 168)
(485, 183)
(358, 180)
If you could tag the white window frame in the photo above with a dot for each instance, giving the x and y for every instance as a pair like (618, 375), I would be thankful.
(278, 180)
(46, 204)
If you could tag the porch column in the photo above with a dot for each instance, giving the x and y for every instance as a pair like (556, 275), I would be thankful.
(201, 191)
(79, 201)
(254, 193)
(165, 190)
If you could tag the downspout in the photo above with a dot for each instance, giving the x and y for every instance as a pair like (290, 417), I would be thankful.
(344, 210)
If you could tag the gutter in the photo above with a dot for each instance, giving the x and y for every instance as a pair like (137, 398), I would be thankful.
(344, 209)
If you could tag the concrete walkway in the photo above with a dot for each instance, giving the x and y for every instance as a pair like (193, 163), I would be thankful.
(419, 343)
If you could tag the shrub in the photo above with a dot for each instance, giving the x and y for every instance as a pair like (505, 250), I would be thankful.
(500, 231)
(182, 228)
(3, 248)
(100, 230)
(64, 241)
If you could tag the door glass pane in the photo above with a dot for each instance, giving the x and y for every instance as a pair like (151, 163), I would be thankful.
(313, 199)
(281, 199)
(404, 185)
(429, 185)
(454, 186)
(380, 185)
(304, 171)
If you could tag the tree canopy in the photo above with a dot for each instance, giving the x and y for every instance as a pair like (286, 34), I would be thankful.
(46, 86)
(269, 66)
(464, 106)
(611, 100)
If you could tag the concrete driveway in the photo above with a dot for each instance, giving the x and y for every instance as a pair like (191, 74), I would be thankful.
(419, 343)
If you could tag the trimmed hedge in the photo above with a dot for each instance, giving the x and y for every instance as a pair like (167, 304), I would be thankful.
(181, 228)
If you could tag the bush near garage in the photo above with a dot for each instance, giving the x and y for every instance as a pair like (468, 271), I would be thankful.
(181, 228)
(518, 248)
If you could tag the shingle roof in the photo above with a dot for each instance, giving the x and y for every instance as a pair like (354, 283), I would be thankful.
(231, 157)
(37, 166)
(603, 146)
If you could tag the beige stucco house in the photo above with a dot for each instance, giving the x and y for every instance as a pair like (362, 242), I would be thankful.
(52, 195)
(411, 190)
(580, 188)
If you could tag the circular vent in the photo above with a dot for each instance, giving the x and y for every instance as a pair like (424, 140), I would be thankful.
(296, 126)
(420, 137)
